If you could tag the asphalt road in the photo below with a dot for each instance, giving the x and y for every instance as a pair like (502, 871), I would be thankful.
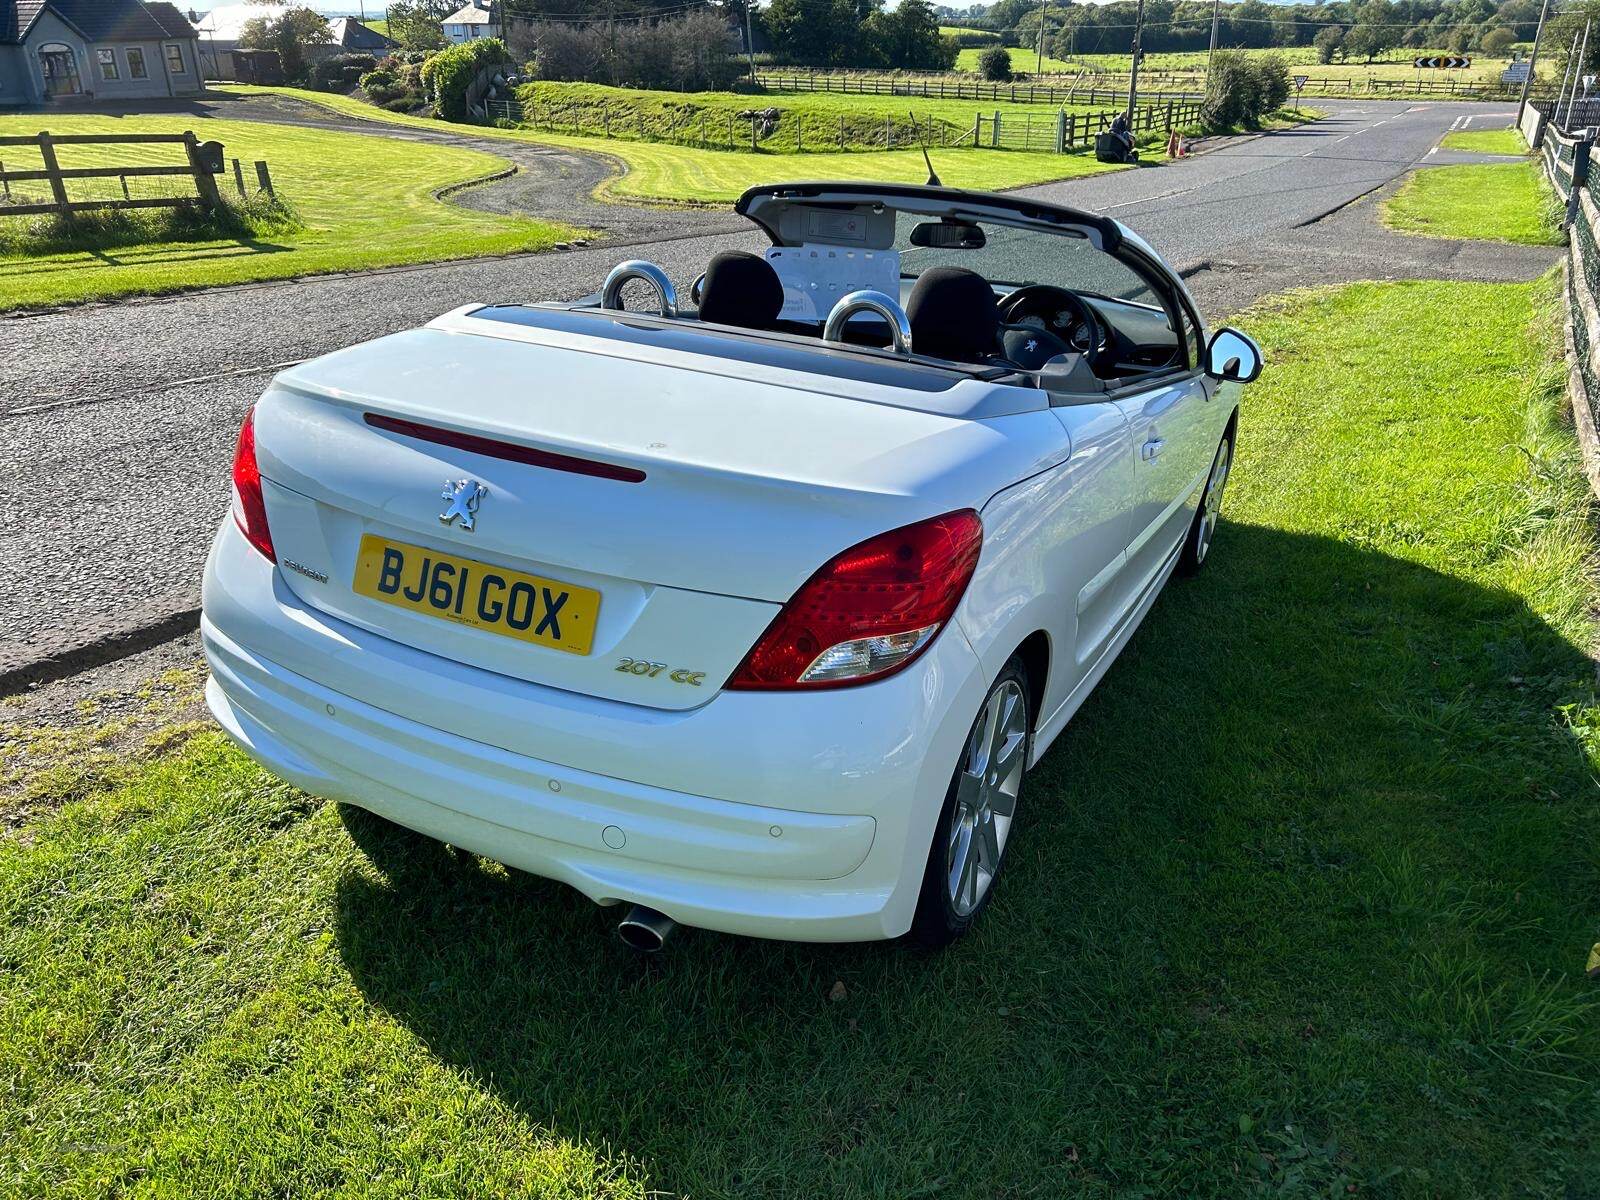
(117, 421)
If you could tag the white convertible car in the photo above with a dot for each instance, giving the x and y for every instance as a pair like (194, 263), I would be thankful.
(749, 616)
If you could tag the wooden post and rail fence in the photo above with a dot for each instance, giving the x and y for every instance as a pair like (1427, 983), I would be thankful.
(204, 164)
(1058, 132)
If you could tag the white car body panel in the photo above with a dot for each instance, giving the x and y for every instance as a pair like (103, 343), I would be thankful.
(796, 814)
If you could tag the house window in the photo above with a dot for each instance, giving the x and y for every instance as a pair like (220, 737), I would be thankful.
(175, 60)
(108, 63)
(59, 67)
(136, 63)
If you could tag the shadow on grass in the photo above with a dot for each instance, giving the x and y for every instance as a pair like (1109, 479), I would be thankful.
(1296, 903)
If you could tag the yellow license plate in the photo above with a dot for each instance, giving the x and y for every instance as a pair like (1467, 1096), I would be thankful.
(510, 603)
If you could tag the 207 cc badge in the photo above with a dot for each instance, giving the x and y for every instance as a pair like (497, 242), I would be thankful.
(464, 496)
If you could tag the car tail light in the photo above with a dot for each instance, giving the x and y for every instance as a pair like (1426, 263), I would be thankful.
(869, 611)
(249, 505)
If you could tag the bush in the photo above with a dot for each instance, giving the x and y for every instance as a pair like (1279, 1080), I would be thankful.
(394, 81)
(339, 72)
(995, 64)
(1241, 89)
(448, 74)
(1272, 82)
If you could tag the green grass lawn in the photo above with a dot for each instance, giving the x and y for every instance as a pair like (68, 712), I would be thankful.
(1297, 907)
(658, 171)
(362, 202)
(1486, 141)
(807, 121)
(1501, 202)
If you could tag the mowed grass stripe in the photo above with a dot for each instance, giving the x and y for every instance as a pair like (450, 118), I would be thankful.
(364, 202)
(1298, 904)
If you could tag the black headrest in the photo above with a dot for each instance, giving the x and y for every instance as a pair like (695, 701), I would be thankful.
(741, 289)
(953, 315)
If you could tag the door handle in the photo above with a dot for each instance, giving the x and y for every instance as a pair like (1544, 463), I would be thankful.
(1151, 449)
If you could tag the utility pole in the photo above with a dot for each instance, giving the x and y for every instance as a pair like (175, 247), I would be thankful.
(1216, 13)
(1572, 55)
(1138, 53)
(1533, 62)
(749, 40)
(1038, 66)
(1577, 71)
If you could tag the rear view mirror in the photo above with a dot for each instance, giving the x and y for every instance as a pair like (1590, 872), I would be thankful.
(1233, 356)
(948, 234)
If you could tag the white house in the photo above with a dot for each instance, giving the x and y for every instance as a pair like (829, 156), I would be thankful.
(476, 19)
(58, 51)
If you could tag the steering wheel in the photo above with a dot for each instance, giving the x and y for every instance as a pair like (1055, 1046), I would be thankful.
(1083, 331)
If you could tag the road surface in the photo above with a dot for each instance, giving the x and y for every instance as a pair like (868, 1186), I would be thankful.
(117, 421)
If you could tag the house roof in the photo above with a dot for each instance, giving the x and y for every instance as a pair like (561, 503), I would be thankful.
(170, 17)
(472, 14)
(97, 20)
(16, 17)
(353, 35)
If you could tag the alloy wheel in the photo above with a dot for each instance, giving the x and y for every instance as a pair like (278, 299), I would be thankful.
(1213, 499)
(986, 797)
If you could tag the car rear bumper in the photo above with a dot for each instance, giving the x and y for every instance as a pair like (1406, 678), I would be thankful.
(812, 821)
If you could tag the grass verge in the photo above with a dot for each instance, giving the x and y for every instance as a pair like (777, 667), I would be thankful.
(1298, 907)
(256, 216)
(1499, 202)
(1486, 141)
(360, 202)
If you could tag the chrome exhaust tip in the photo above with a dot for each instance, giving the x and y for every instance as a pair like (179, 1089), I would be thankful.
(644, 930)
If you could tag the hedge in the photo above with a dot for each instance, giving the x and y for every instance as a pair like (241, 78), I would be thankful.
(448, 74)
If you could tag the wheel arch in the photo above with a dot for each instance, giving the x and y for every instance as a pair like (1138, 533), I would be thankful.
(1034, 651)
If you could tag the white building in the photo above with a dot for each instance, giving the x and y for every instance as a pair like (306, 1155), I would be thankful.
(476, 19)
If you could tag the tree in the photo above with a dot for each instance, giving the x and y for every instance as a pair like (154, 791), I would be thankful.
(1498, 41)
(290, 34)
(908, 38)
(1327, 41)
(415, 24)
(815, 33)
(995, 64)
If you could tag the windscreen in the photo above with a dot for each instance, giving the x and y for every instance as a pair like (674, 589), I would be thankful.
(1012, 256)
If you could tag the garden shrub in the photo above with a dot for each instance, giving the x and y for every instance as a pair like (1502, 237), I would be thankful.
(339, 72)
(448, 74)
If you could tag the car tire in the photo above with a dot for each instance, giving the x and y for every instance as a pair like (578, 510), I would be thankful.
(978, 814)
(1203, 529)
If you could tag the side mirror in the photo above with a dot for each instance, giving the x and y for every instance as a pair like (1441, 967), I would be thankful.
(1233, 356)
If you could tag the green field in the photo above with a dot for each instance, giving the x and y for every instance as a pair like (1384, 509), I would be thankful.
(1188, 67)
(1023, 59)
(1486, 141)
(655, 171)
(1502, 202)
(362, 202)
(1297, 907)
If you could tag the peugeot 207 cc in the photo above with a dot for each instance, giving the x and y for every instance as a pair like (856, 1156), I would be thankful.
(750, 613)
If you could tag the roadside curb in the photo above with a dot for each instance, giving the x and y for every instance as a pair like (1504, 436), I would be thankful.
(120, 644)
